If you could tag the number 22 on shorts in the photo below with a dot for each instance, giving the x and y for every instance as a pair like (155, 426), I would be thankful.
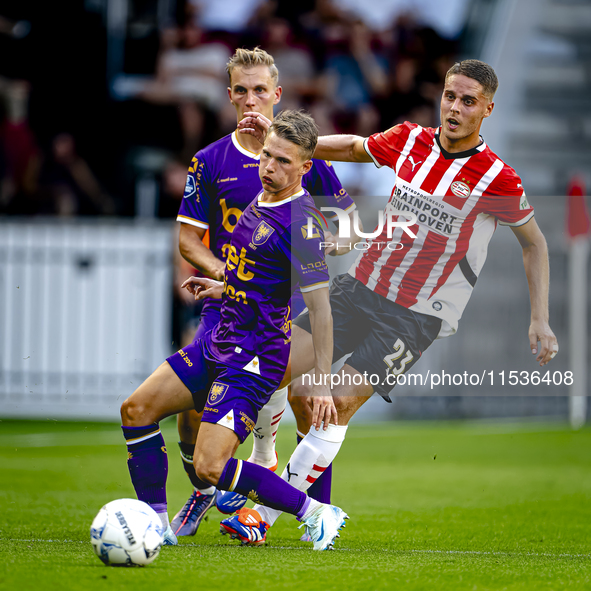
(399, 349)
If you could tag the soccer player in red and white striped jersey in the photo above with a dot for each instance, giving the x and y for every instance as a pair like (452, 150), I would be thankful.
(458, 198)
(457, 188)
(410, 288)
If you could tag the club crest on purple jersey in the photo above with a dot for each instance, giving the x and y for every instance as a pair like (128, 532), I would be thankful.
(217, 393)
(262, 233)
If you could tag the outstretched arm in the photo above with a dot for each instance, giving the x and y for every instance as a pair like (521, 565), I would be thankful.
(323, 408)
(343, 148)
(537, 270)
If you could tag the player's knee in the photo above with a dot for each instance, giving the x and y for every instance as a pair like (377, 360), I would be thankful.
(299, 392)
(298, 399)
(127, 412)
(346, 405)
(341, 403)
(297, 405)
(302, 412)
(207, 470)
(134, 412)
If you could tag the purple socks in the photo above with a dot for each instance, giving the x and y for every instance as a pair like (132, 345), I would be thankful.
(262, 486)
(148, 464)
(148, 467)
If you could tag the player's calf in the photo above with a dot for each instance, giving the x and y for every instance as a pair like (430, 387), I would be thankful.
(147, 462)
(230, 502)
(160, 395)
(298, 400)
(265, 430)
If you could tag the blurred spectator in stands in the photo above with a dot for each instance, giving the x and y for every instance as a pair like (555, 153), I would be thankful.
(294, 61)
(418, 59)
(320, 25)
(174, 178)
(19, 153)
(68, 185)
(357, 78)
(421, 111)
(230, 16)
(15, 29)
(190, 74)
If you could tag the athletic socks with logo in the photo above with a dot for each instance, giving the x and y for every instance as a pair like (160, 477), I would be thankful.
(262, 485)
(263, 446)
(148, 466)
(321, 488)
(309, 460)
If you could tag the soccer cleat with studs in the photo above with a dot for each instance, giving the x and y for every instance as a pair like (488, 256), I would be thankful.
(323, 526)
(187, 520)
(246, 526)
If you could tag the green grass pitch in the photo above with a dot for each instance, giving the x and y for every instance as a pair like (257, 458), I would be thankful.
(432, 505)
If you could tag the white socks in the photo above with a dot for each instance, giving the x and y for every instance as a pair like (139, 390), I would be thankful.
(309, 460)
(164, 519)
(312, 507)
(265, 431)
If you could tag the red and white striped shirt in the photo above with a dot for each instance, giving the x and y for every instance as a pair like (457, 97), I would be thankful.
(458, 199)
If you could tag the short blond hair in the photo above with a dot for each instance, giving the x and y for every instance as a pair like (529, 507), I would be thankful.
(250, 58)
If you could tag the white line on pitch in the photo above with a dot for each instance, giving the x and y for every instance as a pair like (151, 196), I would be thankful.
(461, 552)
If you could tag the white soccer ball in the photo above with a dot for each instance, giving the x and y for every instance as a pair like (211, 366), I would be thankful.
(126, 532)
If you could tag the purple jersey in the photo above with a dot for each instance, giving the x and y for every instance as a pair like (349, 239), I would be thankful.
(224, 178)
(270, 252)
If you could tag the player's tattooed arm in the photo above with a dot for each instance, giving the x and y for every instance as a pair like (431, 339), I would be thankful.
(256, 125)
(202, 287)
(323, 408)
(195, 252)
(535, 262)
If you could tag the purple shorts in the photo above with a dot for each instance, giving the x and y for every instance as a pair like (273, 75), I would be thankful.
(228, 396)
(210, 316)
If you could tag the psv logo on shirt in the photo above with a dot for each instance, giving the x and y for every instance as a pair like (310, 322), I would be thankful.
(460, 189)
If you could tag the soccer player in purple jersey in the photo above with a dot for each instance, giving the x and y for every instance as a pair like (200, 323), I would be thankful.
(231, 372)
(222, 180)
